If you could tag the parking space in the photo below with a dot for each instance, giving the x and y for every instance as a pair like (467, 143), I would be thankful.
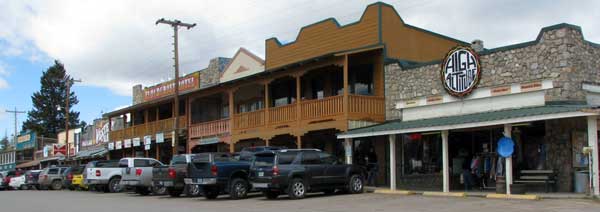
(69, 201)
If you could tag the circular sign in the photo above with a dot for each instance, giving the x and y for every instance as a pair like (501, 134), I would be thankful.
(461, 71)
(506, 147)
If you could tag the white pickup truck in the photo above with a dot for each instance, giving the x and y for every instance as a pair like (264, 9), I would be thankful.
(137, 175)
(103, 176)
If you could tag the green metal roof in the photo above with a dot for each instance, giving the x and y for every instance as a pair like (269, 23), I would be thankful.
(469, 118)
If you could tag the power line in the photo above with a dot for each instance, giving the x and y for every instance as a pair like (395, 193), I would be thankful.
(15, 112)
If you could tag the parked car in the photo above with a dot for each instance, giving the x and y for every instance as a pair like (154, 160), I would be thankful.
(32, 177)
(137, 174)
(103, 176)
(18, 182)
(297, 172)
(51, 177)
(68, 176)
(248, 152)
(172, 176)
(6, 180)
(219, 173)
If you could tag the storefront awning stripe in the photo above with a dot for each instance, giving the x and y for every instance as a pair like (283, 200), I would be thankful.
(500, 117)
(28, 164)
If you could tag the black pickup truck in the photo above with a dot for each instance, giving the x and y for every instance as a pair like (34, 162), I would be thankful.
(172, 176)
(219, 173)
(297, 172)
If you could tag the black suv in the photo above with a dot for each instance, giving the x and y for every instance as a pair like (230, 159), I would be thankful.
(297, 172)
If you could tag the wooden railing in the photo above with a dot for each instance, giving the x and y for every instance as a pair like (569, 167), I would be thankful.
(150, 128)
(210, 128)
(249, 119)
(282, 114)
(322, 107)
(371, 105)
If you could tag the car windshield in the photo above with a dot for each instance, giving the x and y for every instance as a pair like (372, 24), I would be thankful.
(178, 159)
(264, 160)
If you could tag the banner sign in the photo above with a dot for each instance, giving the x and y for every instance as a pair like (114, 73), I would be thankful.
(147, 140)
(26, 141)
(146, 147)
(111, 146)
(127, 143)
(136, 141)
(102, 134)
(461, 71)
(119, 145)
(188, 82)
(160, 138)
(58, 148)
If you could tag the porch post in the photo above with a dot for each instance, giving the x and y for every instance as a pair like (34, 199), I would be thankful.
(445, 169)
(346, 88)
(592, 122)
(392, 162)
(509, 174)
(299, 141)
(267, 106)
(348, 150)
(231, 117)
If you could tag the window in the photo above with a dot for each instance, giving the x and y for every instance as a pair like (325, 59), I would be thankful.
(361, 79)
(141, 163)
(53, 171)
(124, 163)
(264, 160)
(327, 158)
(310, 157)
(178, 159)
(286, 158)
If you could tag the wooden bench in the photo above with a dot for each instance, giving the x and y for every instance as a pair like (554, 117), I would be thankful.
(546, 177)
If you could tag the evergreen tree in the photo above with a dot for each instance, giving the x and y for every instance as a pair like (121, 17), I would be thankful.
(4, 143)
(47, 117)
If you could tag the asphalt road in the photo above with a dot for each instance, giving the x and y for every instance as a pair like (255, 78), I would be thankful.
(81, 201)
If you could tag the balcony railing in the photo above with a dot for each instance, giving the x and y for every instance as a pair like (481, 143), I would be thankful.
(150, 128)
(210, 128)
(282, 114)
(318, 108)
(249, 119)
(366, 105)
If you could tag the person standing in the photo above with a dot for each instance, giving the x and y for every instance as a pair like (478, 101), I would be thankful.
(372, 167)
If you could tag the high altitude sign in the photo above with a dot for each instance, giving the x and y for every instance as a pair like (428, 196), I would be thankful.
(461, 71)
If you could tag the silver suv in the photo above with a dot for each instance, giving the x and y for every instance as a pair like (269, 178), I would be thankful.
(51, 178)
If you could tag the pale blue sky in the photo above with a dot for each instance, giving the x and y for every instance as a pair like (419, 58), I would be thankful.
(114, 44)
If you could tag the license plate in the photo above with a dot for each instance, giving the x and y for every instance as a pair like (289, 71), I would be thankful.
(259, 185)
(261, 174)
(165, 183)
(187, 181)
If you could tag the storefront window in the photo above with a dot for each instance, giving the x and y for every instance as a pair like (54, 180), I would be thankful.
(422, 154)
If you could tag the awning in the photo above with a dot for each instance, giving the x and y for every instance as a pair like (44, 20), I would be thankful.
(52, 158)
(91, 153)
(28, 164)
(500, 117)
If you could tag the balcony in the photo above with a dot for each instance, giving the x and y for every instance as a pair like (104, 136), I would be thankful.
(151, 128)
(211, 128)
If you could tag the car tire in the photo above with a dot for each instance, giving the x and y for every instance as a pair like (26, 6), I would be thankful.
(56, 185)
(192, 190)
(113, 185)
(173, 192)
(211, 192)
(159, 190)
(297, 189)
(356, 184)
(238, 188)
(71, 188)
(23, 187)
(271, 194)
(142, 191)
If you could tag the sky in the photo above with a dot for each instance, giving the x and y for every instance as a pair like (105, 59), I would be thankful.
(112, 45)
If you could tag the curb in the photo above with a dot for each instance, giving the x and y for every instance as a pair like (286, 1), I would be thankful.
(387, 191)
(444, 194)
(513, 196)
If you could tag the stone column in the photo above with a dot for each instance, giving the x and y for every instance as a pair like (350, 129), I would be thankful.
(392, 162)
(592, 124)
(445, 168)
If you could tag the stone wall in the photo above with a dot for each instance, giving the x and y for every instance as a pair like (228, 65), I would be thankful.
(560, 53)
(559, 153)
(210, 75)
(137, 94)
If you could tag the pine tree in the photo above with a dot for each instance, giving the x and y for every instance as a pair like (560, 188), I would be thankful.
(4, 143)
(47, 117)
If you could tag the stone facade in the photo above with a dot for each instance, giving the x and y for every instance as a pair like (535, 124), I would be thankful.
(559, 53)
(137, 94)
(210, 75)
(558, 140)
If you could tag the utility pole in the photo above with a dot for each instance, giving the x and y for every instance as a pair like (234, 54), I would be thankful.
(175, 24)
(69, 82)
(15, 112)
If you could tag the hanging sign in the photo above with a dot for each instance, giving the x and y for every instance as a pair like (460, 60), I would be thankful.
(111, 146)
(127, 143)
(461, 71)
(160, 138)
(119, 145)
(147, 147)
(147, 140)
(137, 141)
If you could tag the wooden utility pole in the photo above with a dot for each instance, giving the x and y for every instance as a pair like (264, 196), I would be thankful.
(175, 24)
(15, 112)
(69, 82)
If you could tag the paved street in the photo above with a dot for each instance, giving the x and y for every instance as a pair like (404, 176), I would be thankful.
(67, 201)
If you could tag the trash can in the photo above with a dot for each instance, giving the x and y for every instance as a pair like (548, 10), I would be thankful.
(582, 181)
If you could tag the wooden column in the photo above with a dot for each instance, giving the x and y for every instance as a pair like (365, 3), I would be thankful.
(267, 106)
(346, 88)
(445, 167)
(154, 132)
(174, 139)
(188, 115)
(298, 106)
(299, 141)
(145, 131)
(231, 117)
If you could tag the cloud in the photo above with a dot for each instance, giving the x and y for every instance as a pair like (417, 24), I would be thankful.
(115, 44)
(3, 73)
